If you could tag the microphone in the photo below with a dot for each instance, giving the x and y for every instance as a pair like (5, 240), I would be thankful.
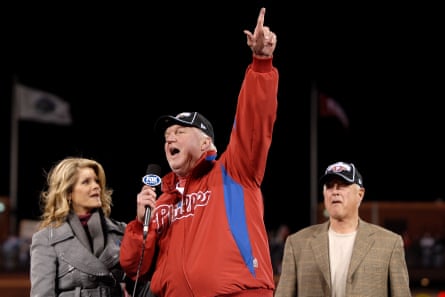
(152, 179)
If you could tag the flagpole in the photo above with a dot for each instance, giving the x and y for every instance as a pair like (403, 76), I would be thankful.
(13, 174)
(314, 151)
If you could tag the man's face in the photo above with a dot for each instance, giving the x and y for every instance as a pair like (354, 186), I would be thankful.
(183, 147)
(342, 199)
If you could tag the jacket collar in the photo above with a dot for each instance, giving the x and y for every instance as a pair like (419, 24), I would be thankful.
(203, 166)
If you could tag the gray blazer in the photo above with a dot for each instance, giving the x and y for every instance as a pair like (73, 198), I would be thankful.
(378, 267)
(63, 264)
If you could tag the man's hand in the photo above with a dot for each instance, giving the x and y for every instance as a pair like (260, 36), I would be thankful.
(262, 41)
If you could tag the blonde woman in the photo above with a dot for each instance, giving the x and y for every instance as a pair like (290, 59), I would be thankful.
(76, 250)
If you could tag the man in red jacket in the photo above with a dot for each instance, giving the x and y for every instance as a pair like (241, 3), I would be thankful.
(207, 225)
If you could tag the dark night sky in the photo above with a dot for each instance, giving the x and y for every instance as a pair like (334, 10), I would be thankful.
(122, 67)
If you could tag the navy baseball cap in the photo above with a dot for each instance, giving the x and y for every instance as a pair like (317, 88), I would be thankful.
(347, 171)
(188, 119)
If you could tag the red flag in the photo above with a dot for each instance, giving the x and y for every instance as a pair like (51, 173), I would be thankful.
(331, 108)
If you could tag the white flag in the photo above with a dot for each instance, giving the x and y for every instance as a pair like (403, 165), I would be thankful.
(40, 106)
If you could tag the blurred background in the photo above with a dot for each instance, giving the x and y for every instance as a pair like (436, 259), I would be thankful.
(119, 67)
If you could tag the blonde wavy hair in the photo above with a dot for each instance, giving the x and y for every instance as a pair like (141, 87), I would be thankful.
(61, 178)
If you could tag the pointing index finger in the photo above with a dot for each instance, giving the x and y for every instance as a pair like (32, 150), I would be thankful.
(260, 21)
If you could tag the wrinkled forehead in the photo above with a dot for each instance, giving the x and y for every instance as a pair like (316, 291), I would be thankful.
(334, 178)
(177, 128)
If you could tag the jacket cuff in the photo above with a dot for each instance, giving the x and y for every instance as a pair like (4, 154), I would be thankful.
(262, 63)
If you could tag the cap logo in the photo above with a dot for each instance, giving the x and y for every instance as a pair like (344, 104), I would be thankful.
(339, 167)
(183, 115)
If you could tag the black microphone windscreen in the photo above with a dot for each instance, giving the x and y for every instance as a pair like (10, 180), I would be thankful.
(153, 176)
(154, 169)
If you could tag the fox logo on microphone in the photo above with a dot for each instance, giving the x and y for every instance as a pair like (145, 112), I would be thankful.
(151, 180)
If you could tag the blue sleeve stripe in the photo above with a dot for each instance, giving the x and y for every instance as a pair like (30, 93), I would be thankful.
(236, 216)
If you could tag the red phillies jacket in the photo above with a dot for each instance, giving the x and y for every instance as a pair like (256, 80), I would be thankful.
(212, 239)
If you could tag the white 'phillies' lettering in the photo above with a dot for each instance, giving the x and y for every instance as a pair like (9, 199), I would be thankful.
(165, 214)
